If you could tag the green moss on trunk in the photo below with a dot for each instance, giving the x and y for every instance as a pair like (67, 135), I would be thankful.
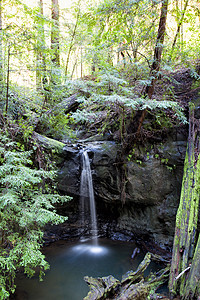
(186, 222)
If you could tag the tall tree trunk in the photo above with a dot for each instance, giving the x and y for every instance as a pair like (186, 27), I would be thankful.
(134, 127)
(180, 23)
(41, 45)
(1, 47)
(8, 80)
(158, 49)
(55, 34)
(192, 287)
(198, 9)
(148, 91)
(71, 44)
(38, 61)
(186, 221)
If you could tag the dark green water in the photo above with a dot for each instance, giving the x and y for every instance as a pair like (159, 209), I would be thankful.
(71, 262)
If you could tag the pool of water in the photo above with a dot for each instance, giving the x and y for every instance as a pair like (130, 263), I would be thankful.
(70, 262)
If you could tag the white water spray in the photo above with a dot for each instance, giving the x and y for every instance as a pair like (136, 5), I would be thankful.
(87, 191)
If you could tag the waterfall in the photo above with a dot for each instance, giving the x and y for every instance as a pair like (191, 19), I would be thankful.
(87, 192)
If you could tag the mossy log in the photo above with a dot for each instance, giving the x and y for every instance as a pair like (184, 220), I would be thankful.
(100, 287)
(52, 147)
(132, 276)
(70, 104)
(192, 287)
(132, 287)
(143, 290)
(50, 144)
(67, 105)
(187, 217)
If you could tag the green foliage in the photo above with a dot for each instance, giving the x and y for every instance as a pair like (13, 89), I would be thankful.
(56, 126)
(113, 94)
(26, 206)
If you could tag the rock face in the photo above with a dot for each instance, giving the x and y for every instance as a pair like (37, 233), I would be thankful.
(152, 185)
(153, 191)
(69, 175)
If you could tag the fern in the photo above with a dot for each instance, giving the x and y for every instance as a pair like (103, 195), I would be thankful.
(25, 208)
(109, 92)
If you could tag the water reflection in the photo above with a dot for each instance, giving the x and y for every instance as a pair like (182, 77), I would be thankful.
(71, 262)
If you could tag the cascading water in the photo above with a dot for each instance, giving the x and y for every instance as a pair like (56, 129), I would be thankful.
(87, 192)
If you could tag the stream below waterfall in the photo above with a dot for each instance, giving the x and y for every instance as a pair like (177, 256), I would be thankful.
(70, 262)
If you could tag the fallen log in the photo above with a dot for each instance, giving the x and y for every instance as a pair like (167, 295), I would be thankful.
(132, 276)
(100, 287)
(132, 287)
(67, 105)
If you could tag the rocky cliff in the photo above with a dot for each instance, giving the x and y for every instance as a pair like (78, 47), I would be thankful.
(151, 179)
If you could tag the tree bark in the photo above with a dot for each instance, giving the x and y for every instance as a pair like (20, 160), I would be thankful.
(158, 49)
(41, 76)
(8, 80)
(72, 41)
(179, 27)
(133, 285)
(1, 47)
(192, 288)
(67, 105)
(186, 220)
(55, 33)
(149, 89)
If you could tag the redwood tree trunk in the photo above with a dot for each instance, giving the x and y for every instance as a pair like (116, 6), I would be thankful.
(184, 280)
(156, 58)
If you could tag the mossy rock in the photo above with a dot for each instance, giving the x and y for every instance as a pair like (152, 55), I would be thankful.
(54, 147)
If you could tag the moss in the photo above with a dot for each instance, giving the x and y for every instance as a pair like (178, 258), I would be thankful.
(53, 147)
(192, 288)
(133, 284)
(186, 222)
(132, 276)
(49, 144)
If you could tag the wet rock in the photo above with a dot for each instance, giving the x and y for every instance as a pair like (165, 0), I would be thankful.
(152, 193)
(118, 236)
(106, 174)
(19, 295)
(153, 184)
(103, 156)
(69, 175)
